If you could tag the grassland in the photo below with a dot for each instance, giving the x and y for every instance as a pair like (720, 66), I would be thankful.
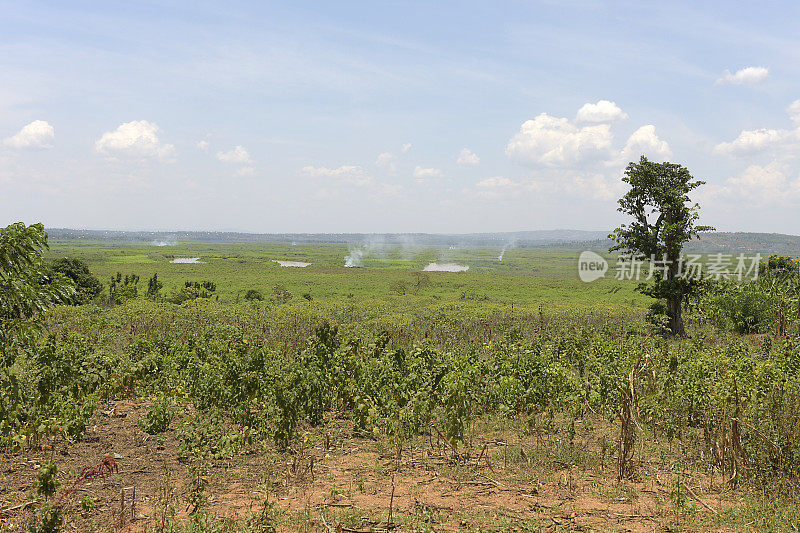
(526, 278)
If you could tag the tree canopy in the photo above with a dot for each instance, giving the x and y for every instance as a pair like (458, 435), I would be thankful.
(27, 286)
(87, 286)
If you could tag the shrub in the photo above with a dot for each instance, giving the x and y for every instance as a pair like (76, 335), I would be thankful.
(158, 417)
(253, 295)
(280, 295)
(87, 286)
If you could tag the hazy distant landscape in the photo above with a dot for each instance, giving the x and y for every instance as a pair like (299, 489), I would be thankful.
(707, 242)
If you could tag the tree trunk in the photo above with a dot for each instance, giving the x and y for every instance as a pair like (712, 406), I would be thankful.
(675, 317)
(674, 299)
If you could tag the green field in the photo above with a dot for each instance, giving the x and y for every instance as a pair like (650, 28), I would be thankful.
(526, 278)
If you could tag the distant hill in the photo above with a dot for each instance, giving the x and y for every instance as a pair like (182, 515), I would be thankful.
(517, 238)
(764, 243)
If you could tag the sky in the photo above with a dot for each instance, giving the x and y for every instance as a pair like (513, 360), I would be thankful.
(438, 117)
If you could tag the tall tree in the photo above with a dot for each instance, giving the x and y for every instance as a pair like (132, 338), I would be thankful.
(663, 221)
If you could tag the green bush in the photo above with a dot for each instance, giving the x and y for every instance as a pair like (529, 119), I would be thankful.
(87, 286)
(253, 295)
(158, 417)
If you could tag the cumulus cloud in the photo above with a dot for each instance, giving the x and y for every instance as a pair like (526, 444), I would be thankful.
(406, 147)
(752, 141)
(138, 138)
(236, 155)
(577, 157)
(745, 76)
(352, 174)
(422, 174)
(763, 184)
(386, 160)
(794, 111)
(601, 112)
(556, 142)
(468, 158)
(758, 185)
(645, 142)
(37, 134)
(766, 181)
(203, 145)
(783, 143)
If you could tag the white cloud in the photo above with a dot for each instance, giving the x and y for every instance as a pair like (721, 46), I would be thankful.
(783, 143)
(601, 112)
(766, 181)
(596, 186)
(753, 141)
(406, 147)
(578, 155)
(556, 142)
(37, 134)
(757, 186)
(246, 171)
(236, 155)
(747, 75)
(468, 159)
(137, 139)
(386, 160)
(422, 174)
(645, 142)
(794, 111)
(203, 145)
(352, 174)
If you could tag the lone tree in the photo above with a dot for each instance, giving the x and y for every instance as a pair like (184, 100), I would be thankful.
(663, 221)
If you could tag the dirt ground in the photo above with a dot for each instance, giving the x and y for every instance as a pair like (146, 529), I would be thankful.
(506, 479)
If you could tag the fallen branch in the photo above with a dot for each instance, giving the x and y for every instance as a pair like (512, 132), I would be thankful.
(696, 497)
(16, 507)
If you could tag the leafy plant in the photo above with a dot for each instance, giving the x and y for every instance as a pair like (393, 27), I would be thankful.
(50, 516)
(159, 416)
(87, 285)
(253, 295)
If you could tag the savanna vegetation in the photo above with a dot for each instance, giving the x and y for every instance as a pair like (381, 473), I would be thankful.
(235, 394)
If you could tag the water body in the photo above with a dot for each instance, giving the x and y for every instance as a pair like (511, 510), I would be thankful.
(298, 264)
(445, 267)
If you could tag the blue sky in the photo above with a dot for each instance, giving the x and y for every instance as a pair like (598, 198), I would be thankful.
(392, 116)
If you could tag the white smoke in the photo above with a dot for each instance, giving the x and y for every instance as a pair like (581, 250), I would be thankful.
(509, 244)
(355, 258)
(169, 240)
(409, 249)
(375, 246)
